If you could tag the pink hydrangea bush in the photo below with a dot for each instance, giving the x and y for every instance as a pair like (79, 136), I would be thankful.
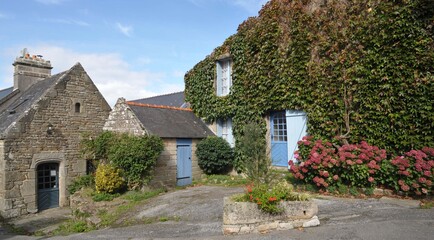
(362, 165)
(414, 171)
(324, 165)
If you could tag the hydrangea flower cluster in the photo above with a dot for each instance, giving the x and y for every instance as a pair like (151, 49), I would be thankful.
(362, 165)
(324, 165)
(415, 171)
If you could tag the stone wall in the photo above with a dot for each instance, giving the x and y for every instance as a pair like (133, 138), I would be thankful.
(122, 119)
(29, 143)
(246, 217)
(166, 168)
(196, 171)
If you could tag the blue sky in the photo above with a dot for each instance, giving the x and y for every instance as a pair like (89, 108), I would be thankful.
(130, 48)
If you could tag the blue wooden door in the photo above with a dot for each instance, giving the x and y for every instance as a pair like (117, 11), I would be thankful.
(48, 186)
(279, 144)
(296, 124)
(183, 154)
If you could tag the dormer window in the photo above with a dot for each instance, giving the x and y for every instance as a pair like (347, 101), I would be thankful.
(224, 76)
(77, 108)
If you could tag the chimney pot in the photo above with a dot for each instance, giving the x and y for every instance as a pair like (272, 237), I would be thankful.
(29, 70)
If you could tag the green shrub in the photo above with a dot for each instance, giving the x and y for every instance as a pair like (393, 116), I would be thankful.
(251, 149)
(214, 155)
(97, 148)
(80, 182)
(108, 179)
(136, 156)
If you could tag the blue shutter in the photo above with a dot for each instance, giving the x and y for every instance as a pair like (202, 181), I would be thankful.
(219, 79)
(230, 133)
(219, 127)
(229, 78)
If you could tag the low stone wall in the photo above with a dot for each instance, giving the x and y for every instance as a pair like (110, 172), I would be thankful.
(246, 217)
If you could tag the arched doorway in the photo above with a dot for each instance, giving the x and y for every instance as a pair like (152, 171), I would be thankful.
(48, 185)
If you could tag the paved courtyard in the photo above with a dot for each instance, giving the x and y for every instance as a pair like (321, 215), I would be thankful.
(196, 213)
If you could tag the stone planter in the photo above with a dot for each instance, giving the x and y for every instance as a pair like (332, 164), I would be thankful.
(246, 217)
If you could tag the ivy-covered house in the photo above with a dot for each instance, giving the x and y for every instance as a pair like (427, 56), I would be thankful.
(42, 118)
(167, 117)
(333, 69)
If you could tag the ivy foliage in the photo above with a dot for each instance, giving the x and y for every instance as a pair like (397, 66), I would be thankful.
(360, 69)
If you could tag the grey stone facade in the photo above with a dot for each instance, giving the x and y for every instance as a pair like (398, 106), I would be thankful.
(43, 123)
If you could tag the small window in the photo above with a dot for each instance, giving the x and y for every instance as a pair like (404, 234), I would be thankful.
(77, 107)
(224, 76)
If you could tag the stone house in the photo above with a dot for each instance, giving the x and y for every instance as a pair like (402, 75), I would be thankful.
(42, 118)
(177, 125)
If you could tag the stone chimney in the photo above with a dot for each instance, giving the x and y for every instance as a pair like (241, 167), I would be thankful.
(30, 69)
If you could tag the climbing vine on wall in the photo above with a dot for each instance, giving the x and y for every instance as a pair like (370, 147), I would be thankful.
(362, 70)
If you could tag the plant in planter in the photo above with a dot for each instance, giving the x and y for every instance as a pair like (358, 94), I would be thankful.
(268, 197)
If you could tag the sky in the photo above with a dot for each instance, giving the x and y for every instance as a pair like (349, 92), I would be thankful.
(130, 48)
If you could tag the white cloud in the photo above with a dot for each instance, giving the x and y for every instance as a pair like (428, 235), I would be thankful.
(143, 60)
(126, 30)
(50, 2)
(67, 21)
(110, 73)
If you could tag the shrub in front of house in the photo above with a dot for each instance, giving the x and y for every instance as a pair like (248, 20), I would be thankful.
(413, 172)
(108, 179)
(322, 164)
(252, 155)
(215, 155)
(136, 156)
(362, 165)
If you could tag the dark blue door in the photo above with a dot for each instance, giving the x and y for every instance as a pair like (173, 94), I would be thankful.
(183, 152)
(48, 186)
(279, 142)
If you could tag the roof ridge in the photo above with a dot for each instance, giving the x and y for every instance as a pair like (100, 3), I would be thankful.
(157, 106)
(162, 95)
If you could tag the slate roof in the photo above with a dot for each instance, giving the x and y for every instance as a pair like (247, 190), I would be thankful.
(5, 92)
(19, 103)
(170, 122)
(176, 99)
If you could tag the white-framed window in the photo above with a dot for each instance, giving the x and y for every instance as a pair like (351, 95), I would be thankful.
(224, 130)
(224, 76)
